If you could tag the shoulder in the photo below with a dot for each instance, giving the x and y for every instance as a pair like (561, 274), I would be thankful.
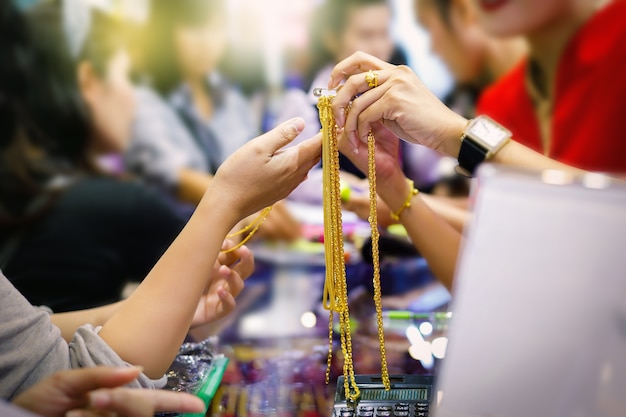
(601, 40)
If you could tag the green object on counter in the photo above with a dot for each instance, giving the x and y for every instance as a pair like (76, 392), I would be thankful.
(410, 315)
(344, 192)
(209, 386)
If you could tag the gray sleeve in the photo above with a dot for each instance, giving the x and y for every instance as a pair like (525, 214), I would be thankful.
(160, 144)
(32, 347)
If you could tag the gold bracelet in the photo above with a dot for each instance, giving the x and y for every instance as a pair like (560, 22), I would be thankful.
(407, 203)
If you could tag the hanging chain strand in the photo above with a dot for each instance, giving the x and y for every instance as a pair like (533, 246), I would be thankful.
(335, 289)
(335, 296)
(373, 220)
(254, 225)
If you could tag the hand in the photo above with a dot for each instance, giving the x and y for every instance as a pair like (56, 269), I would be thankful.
(227, 281)
(386, 153)
(98, 391)
(401, 101)
(262, 171)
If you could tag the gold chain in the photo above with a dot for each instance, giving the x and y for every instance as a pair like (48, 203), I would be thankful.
(373, 220)
(254, 225)
(335, 296)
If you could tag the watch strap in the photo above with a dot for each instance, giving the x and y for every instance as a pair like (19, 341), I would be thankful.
(470, 156)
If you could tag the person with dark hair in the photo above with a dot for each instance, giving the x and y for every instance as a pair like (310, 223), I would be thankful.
(90, 233)
(196, 278)
(474, 58)
(189, 117)
(564, 65)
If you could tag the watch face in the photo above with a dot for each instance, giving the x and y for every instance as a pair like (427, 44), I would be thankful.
(490, 133)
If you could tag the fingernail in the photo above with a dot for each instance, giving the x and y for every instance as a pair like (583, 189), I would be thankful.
(99, 399)
(297, 125)
(342, 117)
(354, 141)
(74, 413)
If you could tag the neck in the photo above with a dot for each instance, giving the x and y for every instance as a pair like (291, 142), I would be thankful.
(503, 55)
(547, 44)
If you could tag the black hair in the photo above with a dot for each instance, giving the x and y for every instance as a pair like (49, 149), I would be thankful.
(159, 63)
(331, 18)
(45, 125)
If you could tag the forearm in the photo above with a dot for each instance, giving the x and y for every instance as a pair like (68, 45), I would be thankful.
(512, 154)
(449, 210)
(69, 322)
(435, 238)
(149, 334)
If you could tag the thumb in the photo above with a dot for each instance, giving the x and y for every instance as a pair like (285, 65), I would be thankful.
(284, 133)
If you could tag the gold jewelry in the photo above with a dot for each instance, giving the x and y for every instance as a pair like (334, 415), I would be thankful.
(407, 203)
(372, 79)
(254, 225)
(335, 296)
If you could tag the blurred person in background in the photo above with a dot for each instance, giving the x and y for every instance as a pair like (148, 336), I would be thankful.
(565, 66)
(475, 58)
(190, 118)
(338, 29)
(170, 298)
(89, 233)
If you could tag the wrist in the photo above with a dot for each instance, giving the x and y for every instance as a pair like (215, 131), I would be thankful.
(395, 215)
(395, 191)
(451, 143)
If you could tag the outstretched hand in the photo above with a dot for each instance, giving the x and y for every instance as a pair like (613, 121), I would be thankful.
(92, 392)
(263, 171)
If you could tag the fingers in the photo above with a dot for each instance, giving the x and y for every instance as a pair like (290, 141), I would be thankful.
(143, 402)
(356, 85)
(233, 281)
(245, 266)
(227, 299)
(309, 152)
(88, 379)
(283, 134)
(354, 64)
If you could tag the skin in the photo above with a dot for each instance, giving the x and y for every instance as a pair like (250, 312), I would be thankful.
(473, 56)
(226, 282)
(389, 109)
(257, 175)
(111, 101)
(97, 391)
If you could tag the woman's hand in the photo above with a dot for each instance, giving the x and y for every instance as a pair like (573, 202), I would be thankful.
(401, 101)
(227, 281)
(92, 392)
(262, 171)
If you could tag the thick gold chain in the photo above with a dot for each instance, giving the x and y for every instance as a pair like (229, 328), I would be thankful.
(335, 296)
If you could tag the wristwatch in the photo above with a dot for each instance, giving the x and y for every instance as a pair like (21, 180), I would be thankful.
(482, 138)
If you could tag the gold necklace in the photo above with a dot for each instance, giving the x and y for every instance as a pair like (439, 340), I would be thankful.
(254, 225)
(335, 296)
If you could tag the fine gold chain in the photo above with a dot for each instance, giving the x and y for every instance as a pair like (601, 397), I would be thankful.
(373, 220)
(335, 296)
(254, 225)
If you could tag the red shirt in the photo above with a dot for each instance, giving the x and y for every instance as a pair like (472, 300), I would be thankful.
(588, 123)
